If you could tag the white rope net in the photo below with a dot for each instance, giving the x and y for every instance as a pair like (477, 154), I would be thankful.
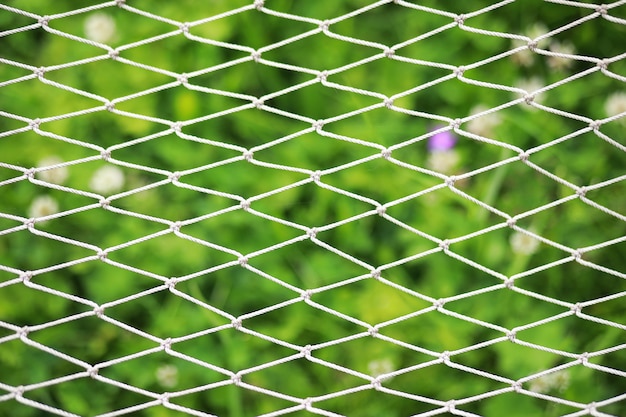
(362, 208)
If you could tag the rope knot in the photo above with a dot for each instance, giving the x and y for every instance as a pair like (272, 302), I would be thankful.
(171, 283)
(317, 125)
(167, 344)
(511, 335)
(584, 358)
(174, 176)
(93, 372)
(23, 332)
(236, 378)
(523, 156)
(316, 175)
(529, 98)
(26, 276)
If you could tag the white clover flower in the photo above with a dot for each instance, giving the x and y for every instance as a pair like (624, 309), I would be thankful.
(526, 57)
(556, 381)
(108, 179)
(380, 367)
(167, 376)
(99, 27)
(531, 85)
(43, 206)
(443, 162)
(616, 104)
(483, 125)
(523, 244)
(559, 63)
(536, 30)
(53, 175)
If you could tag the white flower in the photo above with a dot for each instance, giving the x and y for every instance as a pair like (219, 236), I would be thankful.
(556, 381)
(43, 206)
(559, 63)
(530, 85)
(167, 375)
(526, 57)
(483, 125)
(100, 27)
(53, 175)
(108, 179)
(523, 244)
(443, 162)
(380, 367)
(536, 30)
(616, 104)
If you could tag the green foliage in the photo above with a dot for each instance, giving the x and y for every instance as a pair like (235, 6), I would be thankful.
(205, 253)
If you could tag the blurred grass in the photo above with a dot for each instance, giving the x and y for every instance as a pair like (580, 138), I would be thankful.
(514, 189)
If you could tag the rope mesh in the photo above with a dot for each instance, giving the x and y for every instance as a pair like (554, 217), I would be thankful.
(271, 208)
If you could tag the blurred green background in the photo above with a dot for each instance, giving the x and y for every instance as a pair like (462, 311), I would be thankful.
(515, 188)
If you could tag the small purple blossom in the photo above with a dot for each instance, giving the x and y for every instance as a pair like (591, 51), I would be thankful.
(442, 141)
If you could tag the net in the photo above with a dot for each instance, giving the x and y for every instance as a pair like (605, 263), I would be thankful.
(361, 208)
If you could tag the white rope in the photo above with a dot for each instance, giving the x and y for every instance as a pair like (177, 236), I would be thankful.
(544, 384)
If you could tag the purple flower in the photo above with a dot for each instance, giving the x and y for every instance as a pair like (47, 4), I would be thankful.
(442, 141)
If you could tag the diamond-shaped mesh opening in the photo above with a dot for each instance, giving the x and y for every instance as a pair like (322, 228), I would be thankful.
(268, 207)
